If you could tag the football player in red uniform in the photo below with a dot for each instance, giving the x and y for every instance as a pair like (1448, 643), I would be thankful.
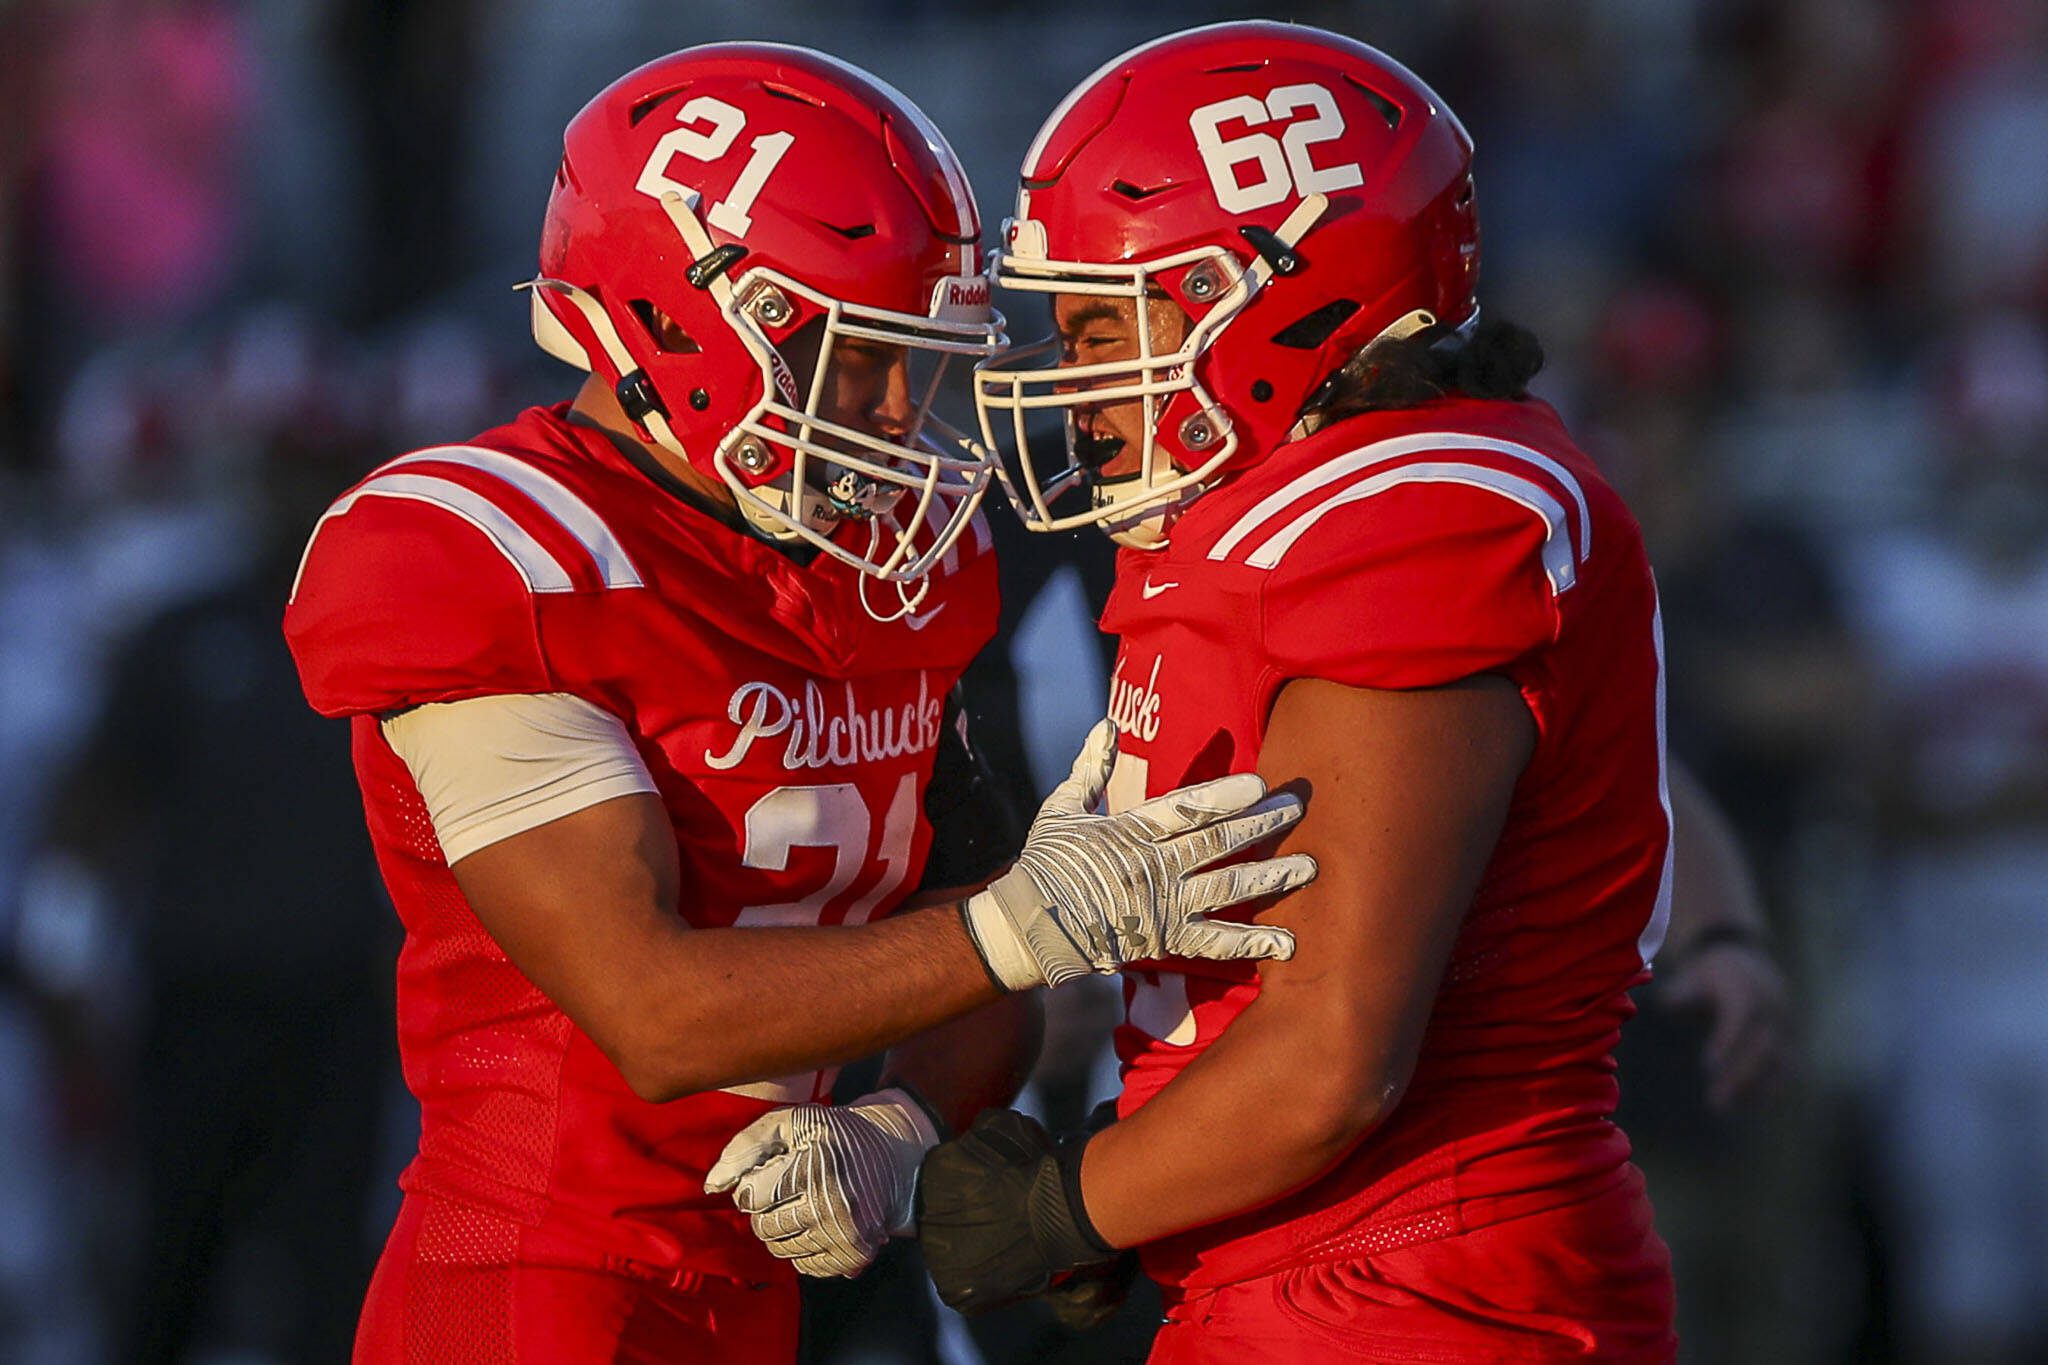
(1359, 559)
(649, 686)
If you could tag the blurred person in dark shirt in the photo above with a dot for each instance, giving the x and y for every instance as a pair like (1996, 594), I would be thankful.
(223, 817)
(1763, 705)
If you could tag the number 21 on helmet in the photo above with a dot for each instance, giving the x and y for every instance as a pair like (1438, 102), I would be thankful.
(725, 209)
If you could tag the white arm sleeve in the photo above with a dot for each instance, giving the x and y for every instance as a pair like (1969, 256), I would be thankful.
(493, 767)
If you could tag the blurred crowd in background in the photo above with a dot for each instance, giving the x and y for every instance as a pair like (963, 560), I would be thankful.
(1788, 260)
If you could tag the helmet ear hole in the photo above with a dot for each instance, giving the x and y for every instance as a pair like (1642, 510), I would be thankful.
(662, 329)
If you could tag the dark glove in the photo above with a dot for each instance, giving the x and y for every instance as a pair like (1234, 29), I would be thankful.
(1089, 1297)
(999, 1213)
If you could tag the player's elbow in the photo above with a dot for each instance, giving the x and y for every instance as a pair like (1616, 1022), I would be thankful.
(1329, 1120)
(1346, 1098)
(646, 1073)
(655, 1067)
(656, 1085)
(1362, 1059)
(660, 1065)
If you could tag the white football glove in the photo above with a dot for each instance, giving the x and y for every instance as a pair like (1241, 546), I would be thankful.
(1091, 892)
(826, 1185)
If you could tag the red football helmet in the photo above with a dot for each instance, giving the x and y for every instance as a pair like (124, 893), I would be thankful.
(746, 192)
(1296, 193)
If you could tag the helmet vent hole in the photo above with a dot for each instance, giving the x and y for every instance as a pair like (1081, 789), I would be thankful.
(646, 106)
(1232, 70)
(791, 93)
(1310, 331)
(1136, 193)
(851, 234)
(1389, 110)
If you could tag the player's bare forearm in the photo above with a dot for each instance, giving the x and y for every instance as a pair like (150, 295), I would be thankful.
(1410, 791)
(1717, 960)
(978, 1061)
(681, 1010)
(1713, 887)
(1238, 1129)
(586, 906)
(783, 1000)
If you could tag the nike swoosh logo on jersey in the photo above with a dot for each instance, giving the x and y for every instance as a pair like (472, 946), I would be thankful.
(920, 622)
(1152, 590)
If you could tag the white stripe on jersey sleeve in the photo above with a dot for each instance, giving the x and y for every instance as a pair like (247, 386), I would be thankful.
(1652, 937)
(577, 517)
(492, 767)
(1379, 452)
(1558, 563)
(537, 567)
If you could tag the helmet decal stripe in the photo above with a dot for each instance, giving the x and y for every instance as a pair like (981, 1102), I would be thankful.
(942, 151)
(1052, 122)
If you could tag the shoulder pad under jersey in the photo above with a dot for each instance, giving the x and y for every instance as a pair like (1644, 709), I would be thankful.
(420, 584)
(1413, 561)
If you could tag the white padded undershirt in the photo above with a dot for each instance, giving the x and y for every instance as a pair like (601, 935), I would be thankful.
(492, 767)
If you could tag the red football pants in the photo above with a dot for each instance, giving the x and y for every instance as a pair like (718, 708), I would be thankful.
(453, 1288)
(1587, 1282)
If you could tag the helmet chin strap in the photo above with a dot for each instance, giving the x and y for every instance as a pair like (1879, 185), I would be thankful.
(760, 510)
(1143, 529)
(601, 326)
(1147, 532)
(907, 601)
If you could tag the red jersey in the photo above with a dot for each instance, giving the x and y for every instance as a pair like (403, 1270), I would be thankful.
(1403, 550)
(791, 736)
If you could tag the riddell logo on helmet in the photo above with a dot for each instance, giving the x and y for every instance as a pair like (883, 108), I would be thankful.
(961, 298)
(784, 379)
(1025, 237)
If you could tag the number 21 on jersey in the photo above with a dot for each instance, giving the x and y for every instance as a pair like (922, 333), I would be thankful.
(832, 816)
